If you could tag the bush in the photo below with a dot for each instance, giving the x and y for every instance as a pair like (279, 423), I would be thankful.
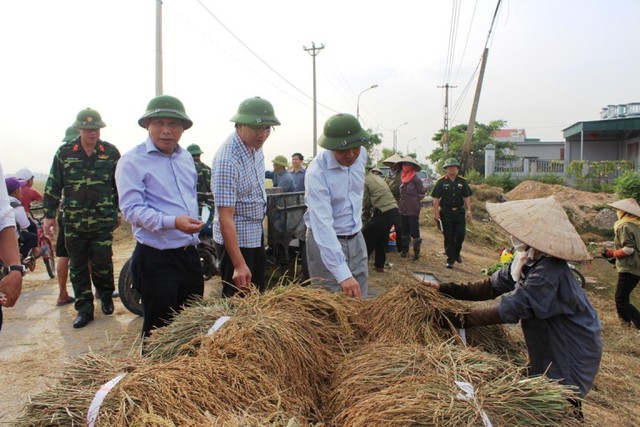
(502, 180)
(474, 177)
(628, 185)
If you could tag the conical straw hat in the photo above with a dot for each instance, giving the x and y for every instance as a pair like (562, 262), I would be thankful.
(410, 160)
(627, 205)
(541, 224)
(392, 160)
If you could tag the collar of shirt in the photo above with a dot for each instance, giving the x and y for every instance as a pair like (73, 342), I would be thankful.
(151, 147)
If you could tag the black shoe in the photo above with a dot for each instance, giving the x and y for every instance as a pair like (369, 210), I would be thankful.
(107, 307)
(459, 259)
(82, 320)
(449, 265)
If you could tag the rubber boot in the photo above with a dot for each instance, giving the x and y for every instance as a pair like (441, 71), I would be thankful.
(405, 247)
(416, 248)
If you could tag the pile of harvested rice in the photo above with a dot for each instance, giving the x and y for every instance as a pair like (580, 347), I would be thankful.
(273, 362)
(407, 385)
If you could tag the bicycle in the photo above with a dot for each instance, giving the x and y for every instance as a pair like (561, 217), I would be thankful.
(44, 243)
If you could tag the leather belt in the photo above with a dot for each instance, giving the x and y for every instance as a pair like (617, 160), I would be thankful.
(453, 208)
(349, 237)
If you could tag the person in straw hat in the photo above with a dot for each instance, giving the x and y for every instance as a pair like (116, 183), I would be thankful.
(393, 180)
(627, 258)
(561, 328)
(411, 193)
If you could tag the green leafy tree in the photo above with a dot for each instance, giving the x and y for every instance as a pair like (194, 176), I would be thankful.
(481, 138)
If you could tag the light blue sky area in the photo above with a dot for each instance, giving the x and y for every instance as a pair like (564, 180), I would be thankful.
(551, 63)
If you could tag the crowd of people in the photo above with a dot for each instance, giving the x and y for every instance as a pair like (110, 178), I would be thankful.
(159, 188)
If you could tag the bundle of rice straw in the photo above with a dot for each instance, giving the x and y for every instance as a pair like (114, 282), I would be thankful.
(67, 402)
(409, 313)
(408, 385)
(294, 349)
(188, 390)
(196, 319)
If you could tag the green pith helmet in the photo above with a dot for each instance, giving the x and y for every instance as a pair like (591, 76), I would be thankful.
(451, 162)
(88, 119)
(71, 134)
(281, 160)
(343, 132)
(194, 149)
(166, 106)
(256, 111)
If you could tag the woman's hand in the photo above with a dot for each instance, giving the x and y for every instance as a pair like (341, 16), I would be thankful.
(433, 285)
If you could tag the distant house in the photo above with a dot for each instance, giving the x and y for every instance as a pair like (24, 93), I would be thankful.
(529, 148)
(616, 136)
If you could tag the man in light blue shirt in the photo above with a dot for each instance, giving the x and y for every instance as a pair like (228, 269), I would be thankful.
(334, 187)
(237, 184)
(157, 183)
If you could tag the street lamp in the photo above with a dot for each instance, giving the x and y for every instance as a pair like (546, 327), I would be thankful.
(395, 136)
(358, 104)
(409, 142)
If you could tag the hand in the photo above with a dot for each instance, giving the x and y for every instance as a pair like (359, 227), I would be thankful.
(433, 285)
(351, 287)
(447, 319)
(469, 217)
(49, 226)
(189, 225)
(242, 277)
(607, 253)
(436, 215)
(118, 222)
(11, 286)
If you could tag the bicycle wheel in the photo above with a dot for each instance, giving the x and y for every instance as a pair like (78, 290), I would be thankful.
(578, 275)
(47, 257)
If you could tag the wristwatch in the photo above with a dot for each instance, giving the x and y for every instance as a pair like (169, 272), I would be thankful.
(7, 269)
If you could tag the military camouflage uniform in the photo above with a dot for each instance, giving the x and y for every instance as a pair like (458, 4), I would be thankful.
(90, 213)
(204, 182)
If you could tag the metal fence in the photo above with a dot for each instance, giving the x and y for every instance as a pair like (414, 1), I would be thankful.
(528, 167)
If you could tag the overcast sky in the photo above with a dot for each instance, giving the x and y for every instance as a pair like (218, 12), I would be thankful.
(551, 63)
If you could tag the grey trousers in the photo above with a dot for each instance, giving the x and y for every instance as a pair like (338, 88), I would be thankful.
(355, 250)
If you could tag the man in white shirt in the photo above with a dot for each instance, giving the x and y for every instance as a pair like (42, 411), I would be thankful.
(334, 187)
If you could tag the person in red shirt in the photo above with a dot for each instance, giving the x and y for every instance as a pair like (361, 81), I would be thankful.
(28, 194)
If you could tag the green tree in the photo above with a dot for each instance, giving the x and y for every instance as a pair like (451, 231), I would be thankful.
(481, 138)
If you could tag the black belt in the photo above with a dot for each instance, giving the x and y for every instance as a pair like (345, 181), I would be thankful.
(349, 237)
(453, 208)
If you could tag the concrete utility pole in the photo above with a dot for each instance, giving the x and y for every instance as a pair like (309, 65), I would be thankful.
(445, 134)
(314, 51)
(466, 148)
(159, 89)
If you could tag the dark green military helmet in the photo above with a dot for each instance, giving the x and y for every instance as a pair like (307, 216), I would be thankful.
(88, 119)
(281, 160)
(343, 132)
(166, 106)
(71, 134)
(451, 162)
(256, 111)
(194, 149)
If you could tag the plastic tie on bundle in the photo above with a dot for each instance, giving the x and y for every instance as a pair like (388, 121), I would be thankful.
(218, 324)
(102, 392)
(469, 394)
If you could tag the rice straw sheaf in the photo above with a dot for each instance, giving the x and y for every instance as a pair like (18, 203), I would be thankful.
(67, 402)
(498, 340)
(297, 350)
(272, 420)
(334, 308)
(172, 340)
(408, 385)
(409, 313)
(187, 390)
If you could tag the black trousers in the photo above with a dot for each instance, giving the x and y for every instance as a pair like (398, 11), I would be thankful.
(376, 235)
(410, 227)
(626, 311)
(454, 228)
(166, 280)
(256, 259)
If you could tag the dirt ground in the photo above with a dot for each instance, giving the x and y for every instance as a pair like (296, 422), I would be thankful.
(38, 341)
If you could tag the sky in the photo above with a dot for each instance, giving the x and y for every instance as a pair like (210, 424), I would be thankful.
(551, 63)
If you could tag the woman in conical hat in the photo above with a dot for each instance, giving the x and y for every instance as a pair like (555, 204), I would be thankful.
(627, 258)
(561, 328)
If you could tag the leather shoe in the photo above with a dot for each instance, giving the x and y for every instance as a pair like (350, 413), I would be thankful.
(107, 307)
(82, 320)
(449, 265)
(380, 269)
(459, 259)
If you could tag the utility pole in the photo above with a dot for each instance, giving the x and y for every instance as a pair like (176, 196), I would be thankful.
(314, 51)
(159, 89)
(445, 134)
(466, 148)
